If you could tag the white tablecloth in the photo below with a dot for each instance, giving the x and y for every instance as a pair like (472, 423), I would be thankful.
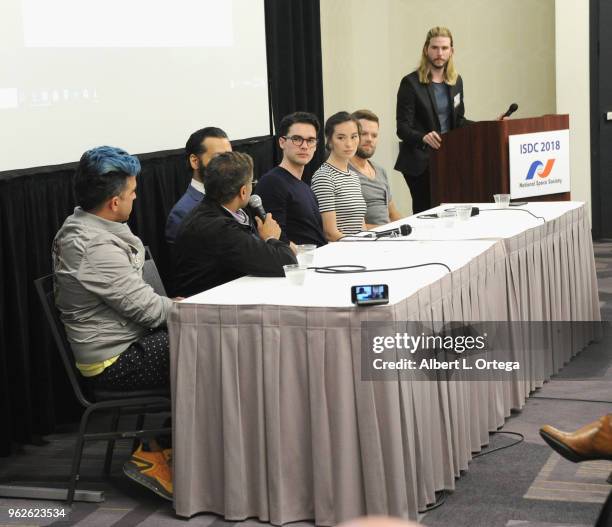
(271, 417)
(334, 290)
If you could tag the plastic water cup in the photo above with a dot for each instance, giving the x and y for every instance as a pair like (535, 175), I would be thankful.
(502, 200)
(305, 254)
(464, 212)
(295, 274)
(448, 218)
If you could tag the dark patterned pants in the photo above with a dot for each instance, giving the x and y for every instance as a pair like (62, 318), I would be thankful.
(144, 365)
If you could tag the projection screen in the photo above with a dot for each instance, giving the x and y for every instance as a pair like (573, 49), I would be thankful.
(139, 74)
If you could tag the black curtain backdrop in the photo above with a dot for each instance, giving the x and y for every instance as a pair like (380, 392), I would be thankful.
(295, 70)
(35, 394)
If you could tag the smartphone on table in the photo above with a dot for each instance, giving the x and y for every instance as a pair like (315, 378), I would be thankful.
(369, 295)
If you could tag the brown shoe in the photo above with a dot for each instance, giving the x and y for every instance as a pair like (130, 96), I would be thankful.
(593, 441)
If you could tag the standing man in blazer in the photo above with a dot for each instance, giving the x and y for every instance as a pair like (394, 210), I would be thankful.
(429, 104)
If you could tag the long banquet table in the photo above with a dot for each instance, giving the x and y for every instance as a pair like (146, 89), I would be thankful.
(271, 416)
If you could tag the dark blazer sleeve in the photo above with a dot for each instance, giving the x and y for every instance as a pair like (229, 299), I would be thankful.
(247, 254)
(405, 114)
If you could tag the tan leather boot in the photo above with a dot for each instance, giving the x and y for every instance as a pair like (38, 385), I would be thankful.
(592, 441)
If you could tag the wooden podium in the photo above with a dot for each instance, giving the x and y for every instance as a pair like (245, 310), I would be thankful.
(473, 162)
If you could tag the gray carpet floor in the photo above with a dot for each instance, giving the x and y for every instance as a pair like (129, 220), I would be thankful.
(525, 485)
(528, 484)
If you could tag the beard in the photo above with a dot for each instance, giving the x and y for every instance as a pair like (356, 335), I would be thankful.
(202, 172)
(363, 154)
(438, 66)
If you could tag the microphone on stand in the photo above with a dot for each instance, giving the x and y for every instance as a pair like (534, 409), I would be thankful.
(511, 109)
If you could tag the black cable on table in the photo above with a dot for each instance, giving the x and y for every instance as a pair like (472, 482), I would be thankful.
(351, 269)
(516, 210)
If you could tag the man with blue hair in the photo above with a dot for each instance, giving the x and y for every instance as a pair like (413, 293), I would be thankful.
(113, 318)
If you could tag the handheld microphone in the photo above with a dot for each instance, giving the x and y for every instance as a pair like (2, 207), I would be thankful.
(255, 204)
(402, 230)
(511, 109)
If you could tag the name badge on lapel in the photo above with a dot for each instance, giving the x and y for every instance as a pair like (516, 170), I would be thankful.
(457, 100)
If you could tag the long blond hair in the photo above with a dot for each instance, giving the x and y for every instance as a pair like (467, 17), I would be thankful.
(424, 69)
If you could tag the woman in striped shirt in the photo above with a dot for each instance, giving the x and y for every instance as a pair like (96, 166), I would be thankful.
(337, 187)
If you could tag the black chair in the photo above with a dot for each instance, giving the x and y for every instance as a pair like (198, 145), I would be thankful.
(116, 402)
(150, 274)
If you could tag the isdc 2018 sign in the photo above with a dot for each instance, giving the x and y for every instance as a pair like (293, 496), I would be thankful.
(539, 163)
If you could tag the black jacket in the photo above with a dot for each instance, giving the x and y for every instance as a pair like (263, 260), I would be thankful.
(417, 115)
(212, 248)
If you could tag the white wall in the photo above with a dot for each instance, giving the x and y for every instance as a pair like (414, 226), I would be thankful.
(504, 50)
(573, 97)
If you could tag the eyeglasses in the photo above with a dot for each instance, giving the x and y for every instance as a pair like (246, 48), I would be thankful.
(298, 140)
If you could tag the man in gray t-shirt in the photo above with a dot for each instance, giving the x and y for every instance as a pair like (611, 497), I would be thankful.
(374, 183)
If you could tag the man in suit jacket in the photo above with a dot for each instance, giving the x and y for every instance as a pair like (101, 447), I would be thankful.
(429, 104)
(218, 240)
(201, 147)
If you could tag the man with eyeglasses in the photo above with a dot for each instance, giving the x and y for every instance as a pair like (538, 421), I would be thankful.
(283, 193)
